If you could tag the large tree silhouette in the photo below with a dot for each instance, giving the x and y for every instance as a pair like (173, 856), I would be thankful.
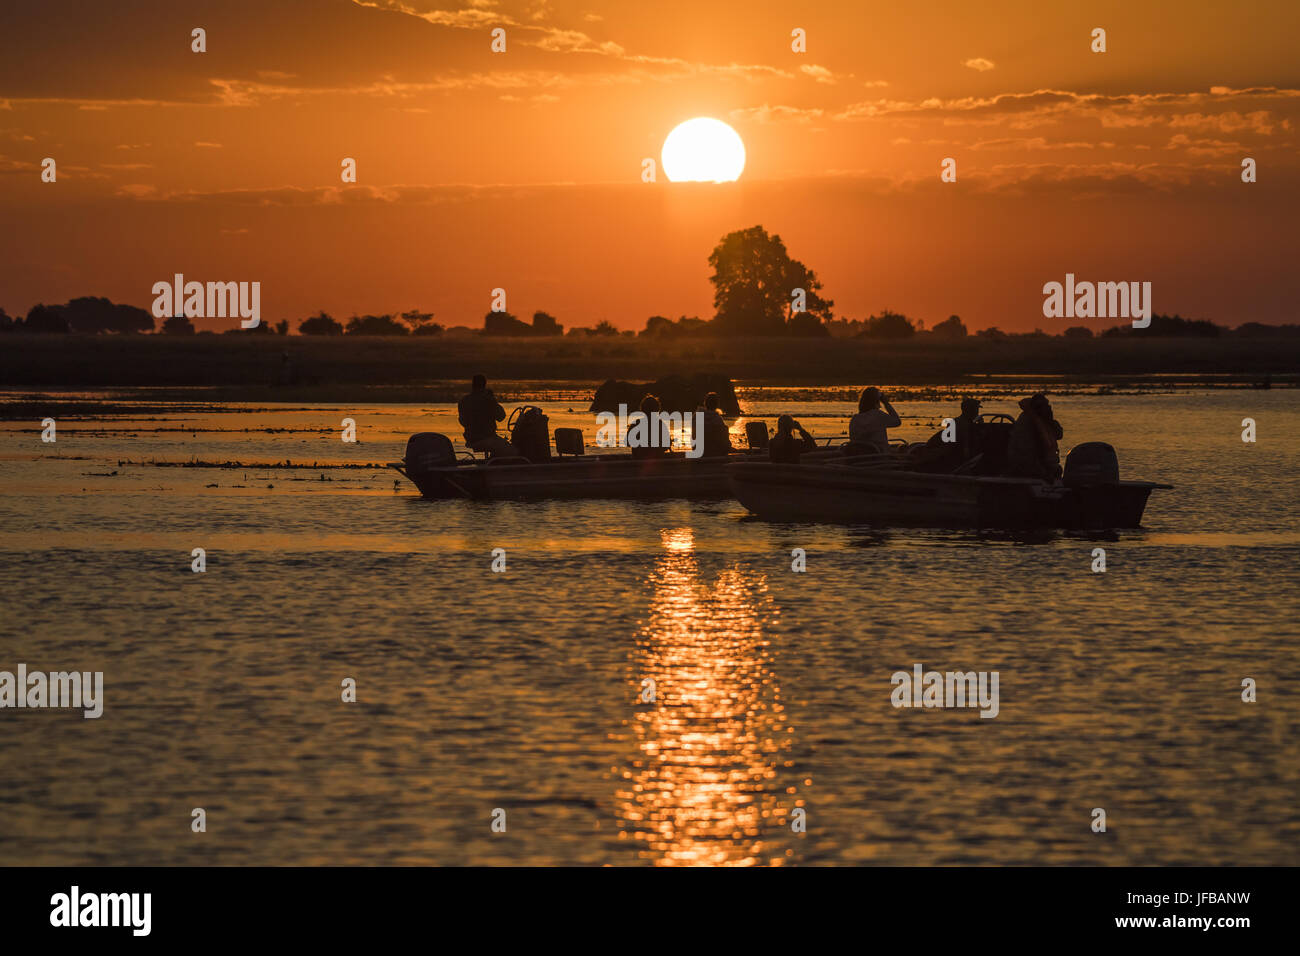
(754, 282)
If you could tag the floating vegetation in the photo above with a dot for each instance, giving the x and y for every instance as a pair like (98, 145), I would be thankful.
(253, 465)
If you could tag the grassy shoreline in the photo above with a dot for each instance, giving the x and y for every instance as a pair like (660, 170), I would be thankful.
(252, 368)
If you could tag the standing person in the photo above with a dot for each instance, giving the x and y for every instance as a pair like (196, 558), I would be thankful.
(717, 436)
(1032, 451)
(479, 412)
(784, 448)
(870, 426)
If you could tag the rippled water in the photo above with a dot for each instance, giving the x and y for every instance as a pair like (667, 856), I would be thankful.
(522, 690)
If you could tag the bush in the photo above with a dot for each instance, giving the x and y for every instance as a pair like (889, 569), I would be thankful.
(177, 325)
(375, 325)
(320, 324)
(889, 325)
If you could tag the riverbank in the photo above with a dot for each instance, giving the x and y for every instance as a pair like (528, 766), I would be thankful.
(279, 369)
(189, 361)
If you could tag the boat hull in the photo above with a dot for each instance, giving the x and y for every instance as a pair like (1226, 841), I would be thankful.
(606, 476)
(885, 497)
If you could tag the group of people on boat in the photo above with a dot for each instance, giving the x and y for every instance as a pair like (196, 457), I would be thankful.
(1032, 448)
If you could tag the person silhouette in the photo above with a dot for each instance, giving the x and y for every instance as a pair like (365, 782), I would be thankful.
(870, 426)
(785, 448)
(478, 413)
(1032, 450)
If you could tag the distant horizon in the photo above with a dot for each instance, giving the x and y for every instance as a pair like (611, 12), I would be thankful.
(221, 326)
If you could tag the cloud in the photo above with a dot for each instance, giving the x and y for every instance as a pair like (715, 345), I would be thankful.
(574, 41)
(1258, 121)
(772, 114)
(1037, 107)
(8, 165)
(1205, 147)
(818, 73)
(979, 63)
(1037, 142)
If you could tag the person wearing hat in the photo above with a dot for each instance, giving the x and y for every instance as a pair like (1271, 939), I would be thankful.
(1032, 451)
(784, 448)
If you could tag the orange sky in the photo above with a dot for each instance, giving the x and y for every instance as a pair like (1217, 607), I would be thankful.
(522, 170)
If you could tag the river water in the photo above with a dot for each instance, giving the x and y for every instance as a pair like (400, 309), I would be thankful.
(521, 691)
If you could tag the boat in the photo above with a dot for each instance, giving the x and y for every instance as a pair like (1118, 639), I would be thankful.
(432, 465)
(1090, 495)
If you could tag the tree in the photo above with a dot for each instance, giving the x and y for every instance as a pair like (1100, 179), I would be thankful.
(604, 327)
(546, 324)
(889, 325)
(950, 328)
(46, 320)
(7, 324)
(992, 332)
(754, 282)
(1077, 332)
(262, 328)
(421, 323)
(177, 325)
(375, 325)
(658, 325)
(320, 324)
(807, 325)
(91, 314)
(503, 323)
(282, 327)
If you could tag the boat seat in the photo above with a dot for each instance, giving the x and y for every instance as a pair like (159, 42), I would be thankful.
(568, 441)
(756, 435)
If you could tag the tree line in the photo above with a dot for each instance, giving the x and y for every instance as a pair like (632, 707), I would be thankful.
(759, 289)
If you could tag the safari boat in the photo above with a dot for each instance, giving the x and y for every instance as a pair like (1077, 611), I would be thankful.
(1090, 495)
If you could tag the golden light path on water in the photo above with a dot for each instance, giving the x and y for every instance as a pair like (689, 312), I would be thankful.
(705, 785)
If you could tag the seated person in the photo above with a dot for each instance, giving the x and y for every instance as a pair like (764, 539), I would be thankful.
(656, 445)
(1032, 451)
(785, 448)
(968, 429)
(869, 428)
(479, 412)
(717, 436)
(964, 441)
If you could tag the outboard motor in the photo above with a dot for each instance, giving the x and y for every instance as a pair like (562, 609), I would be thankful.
(1092, 463)
(426, 451)
(530, 433)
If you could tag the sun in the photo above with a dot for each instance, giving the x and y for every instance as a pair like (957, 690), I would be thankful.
(703, 150)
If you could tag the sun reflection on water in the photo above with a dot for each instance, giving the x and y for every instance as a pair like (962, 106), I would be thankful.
(704, 787)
